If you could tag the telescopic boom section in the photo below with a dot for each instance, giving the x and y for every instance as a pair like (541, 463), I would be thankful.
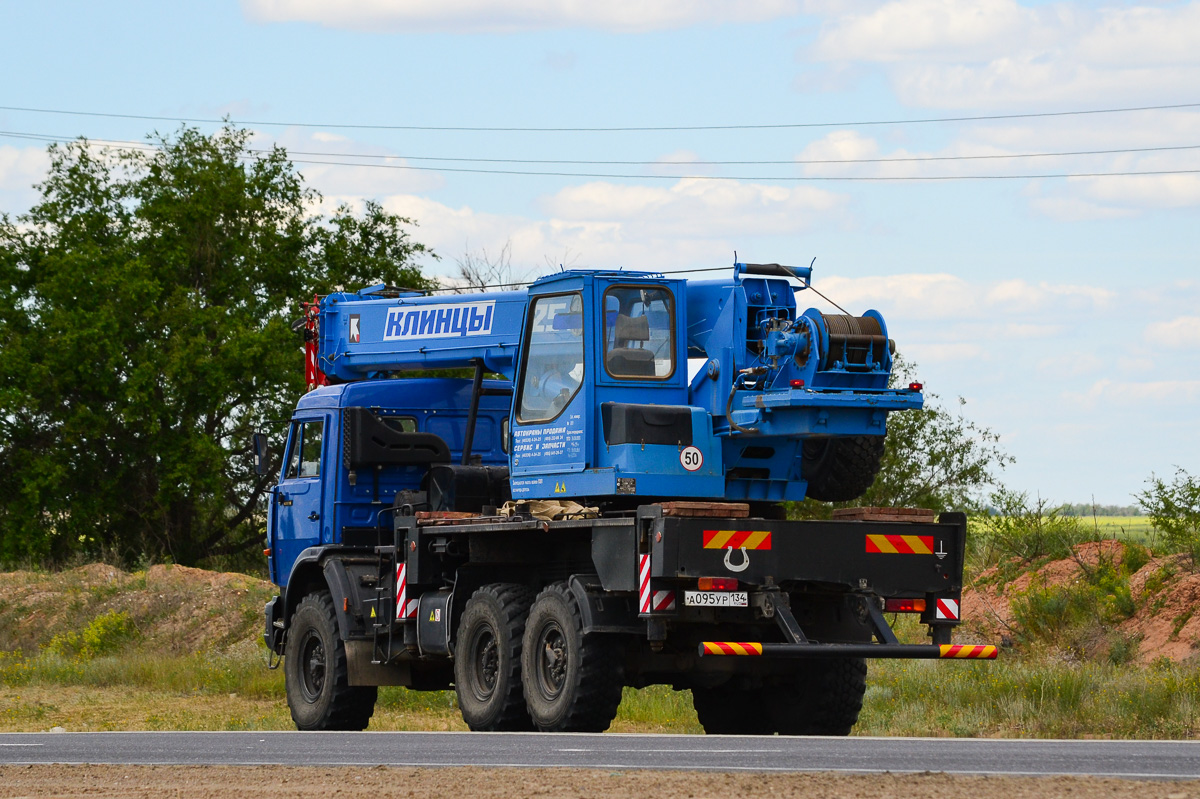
(364, 333)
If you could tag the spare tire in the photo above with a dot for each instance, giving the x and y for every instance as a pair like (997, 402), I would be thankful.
(840, 469)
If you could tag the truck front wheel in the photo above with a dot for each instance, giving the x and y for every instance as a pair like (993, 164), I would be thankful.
(314, 665)
(573, 681)
(487, 658)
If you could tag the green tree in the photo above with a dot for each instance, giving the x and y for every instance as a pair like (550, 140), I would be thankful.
(144, 323)
(1174, 510)
(933, 458)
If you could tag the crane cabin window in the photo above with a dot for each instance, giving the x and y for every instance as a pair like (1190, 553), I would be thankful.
(639, 332)
(553, 369)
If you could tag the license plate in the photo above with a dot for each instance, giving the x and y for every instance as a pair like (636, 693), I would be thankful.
(716, 599)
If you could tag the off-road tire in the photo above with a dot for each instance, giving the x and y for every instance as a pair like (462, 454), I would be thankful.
(487, 658)
(732, 711)
(840, 469)
(572, 681)
(314, 666)
(824, 698)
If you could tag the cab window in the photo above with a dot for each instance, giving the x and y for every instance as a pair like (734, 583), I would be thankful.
(639, 332)
(304, 459)
(401, 424)
(553, 368)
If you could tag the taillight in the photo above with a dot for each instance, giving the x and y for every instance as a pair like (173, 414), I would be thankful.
(718, 584)
(797, 384)
(915, 386)
(904, 605)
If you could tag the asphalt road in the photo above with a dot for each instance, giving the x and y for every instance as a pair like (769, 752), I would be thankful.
(1129, 759)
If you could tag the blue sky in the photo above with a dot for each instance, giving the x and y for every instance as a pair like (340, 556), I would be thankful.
(1065, 311)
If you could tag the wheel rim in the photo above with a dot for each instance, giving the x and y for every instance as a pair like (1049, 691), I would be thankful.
(552, 660)
(485, 661)
(312, 666)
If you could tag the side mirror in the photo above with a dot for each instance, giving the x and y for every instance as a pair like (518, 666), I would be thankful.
(260, 453)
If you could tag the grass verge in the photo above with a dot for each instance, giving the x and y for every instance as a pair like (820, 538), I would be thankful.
(1015, 697)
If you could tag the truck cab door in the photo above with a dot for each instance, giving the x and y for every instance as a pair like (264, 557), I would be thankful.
(297, 502)
(551, 420)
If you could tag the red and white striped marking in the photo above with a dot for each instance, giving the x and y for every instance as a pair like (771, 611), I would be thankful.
(947, 609)
(650, 601)
(664, 600)
(404, 608)
(644, 584)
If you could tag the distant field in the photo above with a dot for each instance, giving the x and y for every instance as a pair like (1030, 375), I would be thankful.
(1137, 528)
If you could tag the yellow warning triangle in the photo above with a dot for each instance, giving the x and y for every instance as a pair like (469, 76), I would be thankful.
(372, 613)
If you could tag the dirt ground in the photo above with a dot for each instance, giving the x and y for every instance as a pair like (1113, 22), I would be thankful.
(1166, 590)
(203, 782)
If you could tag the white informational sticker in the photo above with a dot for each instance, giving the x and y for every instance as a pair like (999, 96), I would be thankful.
(691, 458)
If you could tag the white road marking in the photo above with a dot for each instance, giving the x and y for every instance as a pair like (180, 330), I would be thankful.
(700, 751)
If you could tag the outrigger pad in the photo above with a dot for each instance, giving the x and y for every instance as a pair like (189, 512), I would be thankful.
(369, 441)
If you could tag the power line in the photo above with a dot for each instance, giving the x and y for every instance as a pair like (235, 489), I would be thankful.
(790, 178)
(784, 178)
(798, 162)
(518, 283)
(629, 129)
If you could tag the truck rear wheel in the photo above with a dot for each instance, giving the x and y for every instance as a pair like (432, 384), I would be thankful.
(840, 469)
(824, 698)
(314, 665)
(726, 710)
(572, 680)
(487, 658)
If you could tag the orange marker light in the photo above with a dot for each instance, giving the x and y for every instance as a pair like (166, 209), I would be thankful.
(904, 605)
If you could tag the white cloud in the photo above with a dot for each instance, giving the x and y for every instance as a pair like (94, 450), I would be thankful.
(943, 296)
(922, 296)
(20, 168)
(345, 170)
(1140, 395)
(700, 208)
(988, 150)
(954, 352)
(607, 225)
(507, 16)
(994, 53)
(1145, 191)
(1180, 333)
(931, 30)
(1076, 209)
(1071, 365)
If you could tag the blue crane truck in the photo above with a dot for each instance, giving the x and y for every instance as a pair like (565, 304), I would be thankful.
(598, 505)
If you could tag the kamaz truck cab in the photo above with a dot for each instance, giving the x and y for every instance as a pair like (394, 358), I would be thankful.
(358, 452)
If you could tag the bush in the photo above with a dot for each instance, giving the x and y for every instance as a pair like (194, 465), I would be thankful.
(1080, 617)
(1014, 530)
(1174, 509)
(104, 634)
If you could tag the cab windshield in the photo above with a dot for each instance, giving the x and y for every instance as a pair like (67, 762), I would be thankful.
(553, 370)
